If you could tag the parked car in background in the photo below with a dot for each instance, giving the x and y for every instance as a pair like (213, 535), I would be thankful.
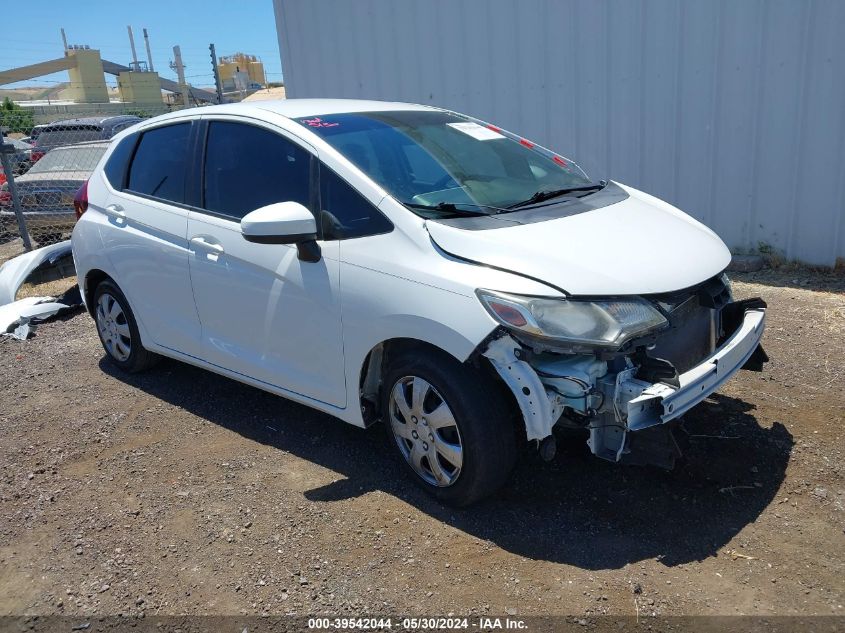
(22, 156)
(72, 131)
(47, 191)
(33, 134)
(490, 291)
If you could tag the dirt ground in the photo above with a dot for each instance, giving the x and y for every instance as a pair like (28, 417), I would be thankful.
(181, 492)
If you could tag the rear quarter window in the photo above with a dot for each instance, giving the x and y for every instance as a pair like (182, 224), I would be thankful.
(118, 161)
(159, 167)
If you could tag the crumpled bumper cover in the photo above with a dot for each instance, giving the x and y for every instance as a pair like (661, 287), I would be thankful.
(661, 403)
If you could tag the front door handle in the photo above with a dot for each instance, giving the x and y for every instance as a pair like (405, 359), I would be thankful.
(205, 244)
(115, 211)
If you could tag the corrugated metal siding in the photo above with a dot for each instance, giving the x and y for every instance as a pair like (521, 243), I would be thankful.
(734, 111)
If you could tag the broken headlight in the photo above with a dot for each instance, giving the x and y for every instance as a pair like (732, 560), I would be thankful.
(601, 323)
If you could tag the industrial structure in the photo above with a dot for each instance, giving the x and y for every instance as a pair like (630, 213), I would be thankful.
(137, 83)
(732, 111)
(241, 72)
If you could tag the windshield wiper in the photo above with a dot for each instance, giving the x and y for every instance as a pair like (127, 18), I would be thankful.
(542, 196)
(450, 208)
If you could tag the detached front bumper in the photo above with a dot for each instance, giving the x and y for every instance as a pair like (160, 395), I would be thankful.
(659, 403)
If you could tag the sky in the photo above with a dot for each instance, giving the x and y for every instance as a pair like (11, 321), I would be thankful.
(31, 33)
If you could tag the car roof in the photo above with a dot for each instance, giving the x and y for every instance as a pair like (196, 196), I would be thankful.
(296, 108)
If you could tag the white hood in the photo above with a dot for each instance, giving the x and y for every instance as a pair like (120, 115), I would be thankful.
(640, 245)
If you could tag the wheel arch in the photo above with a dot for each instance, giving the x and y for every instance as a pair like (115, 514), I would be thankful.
(376, 361)
(93, 278)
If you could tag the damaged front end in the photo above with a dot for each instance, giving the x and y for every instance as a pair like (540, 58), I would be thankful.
(625, 391)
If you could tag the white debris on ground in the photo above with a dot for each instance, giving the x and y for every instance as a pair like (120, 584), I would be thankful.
(19, 318)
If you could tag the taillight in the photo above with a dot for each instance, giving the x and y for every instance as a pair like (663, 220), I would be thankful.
(5, 197)
(35, 155)
(80, 200)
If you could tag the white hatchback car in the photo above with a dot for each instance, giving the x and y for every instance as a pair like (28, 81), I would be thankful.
(397, 262)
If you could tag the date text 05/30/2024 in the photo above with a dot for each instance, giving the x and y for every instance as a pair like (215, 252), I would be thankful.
(417, 624)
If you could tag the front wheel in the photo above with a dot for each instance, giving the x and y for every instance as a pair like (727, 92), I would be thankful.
(450, 425)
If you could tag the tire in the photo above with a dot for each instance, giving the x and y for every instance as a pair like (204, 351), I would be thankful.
(118, 330)
(425, 435)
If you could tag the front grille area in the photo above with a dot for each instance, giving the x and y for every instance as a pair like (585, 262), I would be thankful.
(691, 337)
(694, 324)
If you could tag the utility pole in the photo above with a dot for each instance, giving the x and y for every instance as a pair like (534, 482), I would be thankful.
(149, 54)
(216, 73)
(180, 74)
(132, 46)
(6, 150)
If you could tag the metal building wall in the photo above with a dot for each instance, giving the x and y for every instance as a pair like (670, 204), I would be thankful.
(733, 110)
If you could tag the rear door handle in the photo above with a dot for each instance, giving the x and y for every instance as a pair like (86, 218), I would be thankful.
(115, 211)
(203, 243)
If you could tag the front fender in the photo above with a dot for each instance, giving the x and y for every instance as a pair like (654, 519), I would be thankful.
(378, 307)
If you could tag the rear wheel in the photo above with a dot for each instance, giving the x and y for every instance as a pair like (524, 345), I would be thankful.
(450, 425)
(118, 330)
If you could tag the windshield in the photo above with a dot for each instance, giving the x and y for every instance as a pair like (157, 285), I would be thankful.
(428, 158)
(70, 159)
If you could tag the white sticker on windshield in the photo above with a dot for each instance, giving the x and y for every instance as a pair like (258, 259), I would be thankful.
(476, 131)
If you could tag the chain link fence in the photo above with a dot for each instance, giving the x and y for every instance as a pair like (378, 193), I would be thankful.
(47, 155)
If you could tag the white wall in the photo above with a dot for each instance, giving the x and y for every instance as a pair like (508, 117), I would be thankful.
(732, 110)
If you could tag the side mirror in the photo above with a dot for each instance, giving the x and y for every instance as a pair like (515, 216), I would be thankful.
(283, 223)
(279, 223)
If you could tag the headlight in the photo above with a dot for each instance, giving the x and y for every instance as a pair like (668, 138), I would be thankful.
(596, 323)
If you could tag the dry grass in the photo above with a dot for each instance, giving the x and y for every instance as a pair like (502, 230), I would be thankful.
(834, 318)
(54, 288)
(9, 250)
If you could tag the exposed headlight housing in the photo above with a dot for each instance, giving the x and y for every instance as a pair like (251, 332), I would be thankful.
(727, 283)
(601, 323)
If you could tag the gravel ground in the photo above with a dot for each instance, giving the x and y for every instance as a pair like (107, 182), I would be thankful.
(181, 492)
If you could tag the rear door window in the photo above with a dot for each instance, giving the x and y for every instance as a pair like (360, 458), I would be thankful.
(248, 167)
(159, 167)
